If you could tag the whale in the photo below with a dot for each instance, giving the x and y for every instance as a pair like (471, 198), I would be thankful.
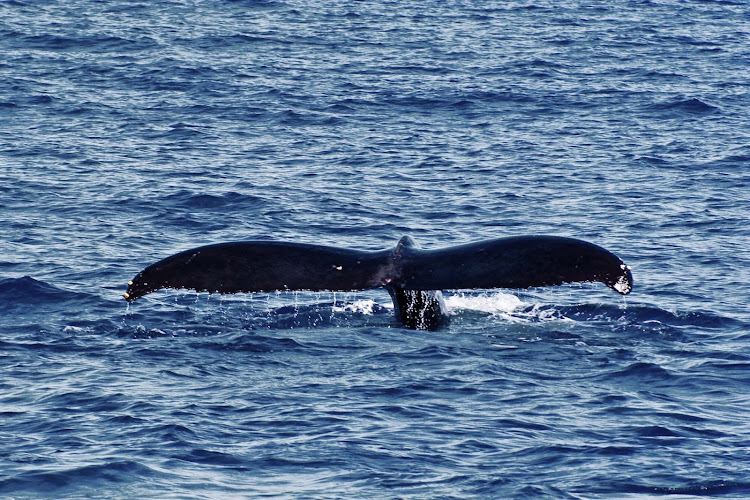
(414, 278)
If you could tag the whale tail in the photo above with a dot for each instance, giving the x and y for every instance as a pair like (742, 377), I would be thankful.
(412, 276)
(261, 266)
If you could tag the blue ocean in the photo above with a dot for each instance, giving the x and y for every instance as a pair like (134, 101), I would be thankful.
(133, 130)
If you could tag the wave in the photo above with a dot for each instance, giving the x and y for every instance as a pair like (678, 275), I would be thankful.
(76, 478)
(685, 106)
(205, 314)
(231, 199)
(697, 488)
(516, 309)
(57, 42)
(25, 291)
(363, 312)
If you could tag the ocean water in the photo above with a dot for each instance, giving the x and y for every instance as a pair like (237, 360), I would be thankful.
(132, 130)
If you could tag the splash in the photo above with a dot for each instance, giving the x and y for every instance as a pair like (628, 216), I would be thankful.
(363, 306)
(498, 303)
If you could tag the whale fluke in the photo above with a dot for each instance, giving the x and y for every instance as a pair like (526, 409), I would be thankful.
(262, 266)
(516, 262)
(412, 276)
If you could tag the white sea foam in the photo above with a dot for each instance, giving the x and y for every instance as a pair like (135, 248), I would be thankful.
(498, 303)
(363, 306)
(74, 329)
